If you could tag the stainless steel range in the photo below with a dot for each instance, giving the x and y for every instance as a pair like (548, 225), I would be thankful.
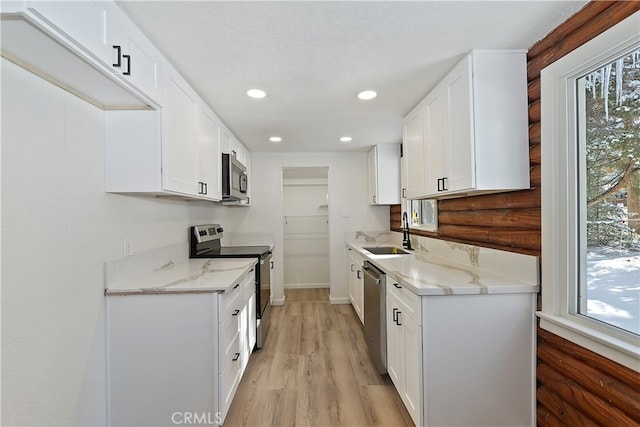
(204, 242)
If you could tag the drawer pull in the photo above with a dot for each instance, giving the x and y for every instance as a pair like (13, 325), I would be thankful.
(235, 313)
(236, 286)
(398, 318)
(237, 356)
(397, 286)
(395, 315)
(128, 72)
(118, 63)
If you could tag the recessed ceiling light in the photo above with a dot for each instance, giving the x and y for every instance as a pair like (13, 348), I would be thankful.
(346, 139)
(275, 139)
(367, 95)
(256, 93)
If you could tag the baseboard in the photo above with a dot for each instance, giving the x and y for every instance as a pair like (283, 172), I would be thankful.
(344, 300)
(306, 285)
(278, 301)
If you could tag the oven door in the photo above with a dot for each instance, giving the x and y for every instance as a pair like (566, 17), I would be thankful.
(264, 284)
(263, 302)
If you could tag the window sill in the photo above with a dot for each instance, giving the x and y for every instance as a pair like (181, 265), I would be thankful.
(620, 351)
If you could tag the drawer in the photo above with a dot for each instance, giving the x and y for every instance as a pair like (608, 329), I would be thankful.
(229, 375)
(410, 300)
(229, 301)
(228, 331)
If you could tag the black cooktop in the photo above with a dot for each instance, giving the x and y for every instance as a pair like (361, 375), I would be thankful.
(234, 252)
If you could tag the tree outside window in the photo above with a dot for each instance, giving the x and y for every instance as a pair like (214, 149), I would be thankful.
(609, 133)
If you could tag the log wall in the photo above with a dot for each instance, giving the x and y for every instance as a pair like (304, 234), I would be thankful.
(575, 387)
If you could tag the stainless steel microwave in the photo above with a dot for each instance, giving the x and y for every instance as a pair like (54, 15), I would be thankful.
(234, 178)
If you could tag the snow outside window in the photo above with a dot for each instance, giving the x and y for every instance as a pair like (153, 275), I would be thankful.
(591, 195)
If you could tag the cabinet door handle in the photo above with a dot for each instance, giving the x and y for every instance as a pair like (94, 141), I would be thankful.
(272, 265)
(397, 286)
(395, 315)
(128, 72)
(235, 155)
(237, 356)
(206, 188)
(118, 49)
(374, 199)
(398, 318)
(439, 182)
(358, 274)
(352, 267)
(237, 284)
(404, 193)
(236, 312)
(444, 184)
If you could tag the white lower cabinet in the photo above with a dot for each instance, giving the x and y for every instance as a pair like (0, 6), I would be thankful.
(355, 281)
(172, 356)
(404, 347)
(463, 360)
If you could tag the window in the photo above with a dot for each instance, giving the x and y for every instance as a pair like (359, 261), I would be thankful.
(422, 214)
(591, 195)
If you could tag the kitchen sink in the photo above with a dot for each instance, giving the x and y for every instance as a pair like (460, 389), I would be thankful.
(386, 250)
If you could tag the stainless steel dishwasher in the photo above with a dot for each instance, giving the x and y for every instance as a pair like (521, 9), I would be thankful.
(375, 321)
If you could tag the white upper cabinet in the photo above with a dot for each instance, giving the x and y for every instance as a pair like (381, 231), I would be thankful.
(90, 48)
(175, 151)
(209, 155)
(474, 134)
(87, 23)
(384, 174)
(413, 159)
(179, 144)
(141, 62)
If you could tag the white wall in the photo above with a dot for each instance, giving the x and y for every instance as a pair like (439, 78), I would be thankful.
(58, 227)
(348, 189)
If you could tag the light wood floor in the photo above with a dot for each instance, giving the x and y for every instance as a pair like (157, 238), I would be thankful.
(315, 370)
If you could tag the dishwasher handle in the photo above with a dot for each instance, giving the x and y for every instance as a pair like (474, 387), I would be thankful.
(375, 277)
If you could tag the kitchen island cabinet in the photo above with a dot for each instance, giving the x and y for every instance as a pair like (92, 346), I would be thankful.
(460, 332)
(179, 342)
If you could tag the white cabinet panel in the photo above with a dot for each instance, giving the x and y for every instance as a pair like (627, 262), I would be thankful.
(435, 134)
(142, 390)
(144, 66)
(384, 174)
(459, 152)
(413, 153)
(179, 152)
(209, 155)
(84, 22)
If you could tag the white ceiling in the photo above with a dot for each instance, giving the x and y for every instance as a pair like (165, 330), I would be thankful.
(313, 57)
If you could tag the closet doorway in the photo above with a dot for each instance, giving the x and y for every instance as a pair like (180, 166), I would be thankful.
(305, 207)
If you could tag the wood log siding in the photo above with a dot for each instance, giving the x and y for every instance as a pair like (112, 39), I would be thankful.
(576, 387)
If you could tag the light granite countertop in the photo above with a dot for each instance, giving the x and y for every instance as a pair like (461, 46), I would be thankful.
(437, 267)
(187, 276)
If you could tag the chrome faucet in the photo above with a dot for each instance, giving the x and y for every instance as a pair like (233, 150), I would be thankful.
(406, 241)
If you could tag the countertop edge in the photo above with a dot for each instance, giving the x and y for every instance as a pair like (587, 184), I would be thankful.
(186, 290)
(518, 287)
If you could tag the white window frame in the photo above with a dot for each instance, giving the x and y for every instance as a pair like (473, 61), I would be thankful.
(425, 226)
(560, 205)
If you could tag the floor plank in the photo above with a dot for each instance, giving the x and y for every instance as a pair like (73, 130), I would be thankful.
(315, 370)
